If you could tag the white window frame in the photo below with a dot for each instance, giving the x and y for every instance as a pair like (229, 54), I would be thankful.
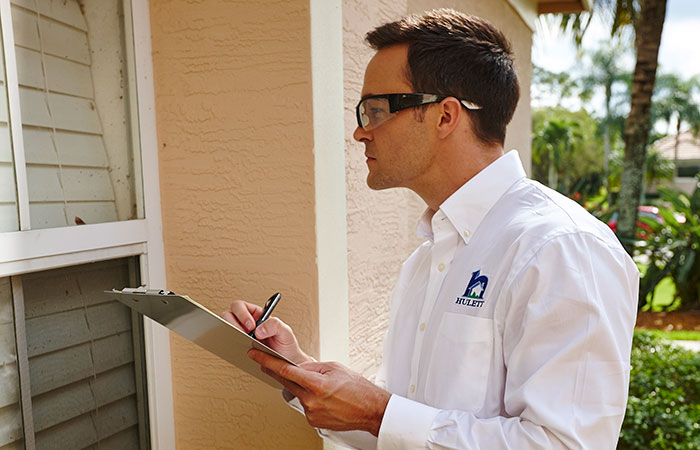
(29, 250)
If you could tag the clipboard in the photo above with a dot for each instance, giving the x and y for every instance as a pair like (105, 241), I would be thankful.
(193, 321)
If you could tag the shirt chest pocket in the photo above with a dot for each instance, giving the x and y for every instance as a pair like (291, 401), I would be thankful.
(460, 362)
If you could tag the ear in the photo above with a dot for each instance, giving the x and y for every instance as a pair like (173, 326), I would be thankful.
(450, 115)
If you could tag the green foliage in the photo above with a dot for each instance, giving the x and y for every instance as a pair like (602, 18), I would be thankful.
(566, 153)
(676, 335)
(663, 409)
(674, 248)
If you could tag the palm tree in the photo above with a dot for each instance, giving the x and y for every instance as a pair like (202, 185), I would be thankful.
(675, 99)
(646, 17)
(605, 72)
(553, 142)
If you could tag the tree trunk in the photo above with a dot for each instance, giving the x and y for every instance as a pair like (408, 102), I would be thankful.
(647, 41)
(675, 147)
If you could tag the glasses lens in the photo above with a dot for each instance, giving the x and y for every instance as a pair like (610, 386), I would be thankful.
(374, 112)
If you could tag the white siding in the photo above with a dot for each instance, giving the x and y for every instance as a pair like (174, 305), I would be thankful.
(68, 170)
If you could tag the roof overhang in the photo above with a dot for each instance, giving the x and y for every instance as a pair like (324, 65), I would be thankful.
(562, 6)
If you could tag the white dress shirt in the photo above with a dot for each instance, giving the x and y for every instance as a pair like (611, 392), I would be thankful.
(511, 326)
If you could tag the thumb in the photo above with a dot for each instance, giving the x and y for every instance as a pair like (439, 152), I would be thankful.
(271, 327)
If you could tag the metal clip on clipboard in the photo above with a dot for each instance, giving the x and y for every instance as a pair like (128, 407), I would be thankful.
(196, 323)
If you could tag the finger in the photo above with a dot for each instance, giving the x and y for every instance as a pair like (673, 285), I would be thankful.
(304, 378)
(246, 313)
(272, 327)
(318, 367)
(292, 387)
(230, 318)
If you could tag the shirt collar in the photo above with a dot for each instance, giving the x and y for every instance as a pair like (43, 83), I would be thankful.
(469, 204)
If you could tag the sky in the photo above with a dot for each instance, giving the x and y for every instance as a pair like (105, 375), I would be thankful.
(679, 52)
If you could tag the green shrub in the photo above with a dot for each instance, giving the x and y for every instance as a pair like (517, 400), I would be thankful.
(663, 410)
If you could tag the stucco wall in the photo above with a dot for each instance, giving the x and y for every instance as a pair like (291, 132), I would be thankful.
(381, 225)
(233, 106)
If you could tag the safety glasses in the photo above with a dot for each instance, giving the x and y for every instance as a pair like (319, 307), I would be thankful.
(374, 110)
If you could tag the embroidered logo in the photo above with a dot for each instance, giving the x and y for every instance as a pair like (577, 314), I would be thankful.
(474, 295)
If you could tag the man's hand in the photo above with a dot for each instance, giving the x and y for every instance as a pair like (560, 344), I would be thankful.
(273, 332)
(333, 396)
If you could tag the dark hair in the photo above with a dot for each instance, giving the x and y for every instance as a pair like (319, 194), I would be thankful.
(451, 53)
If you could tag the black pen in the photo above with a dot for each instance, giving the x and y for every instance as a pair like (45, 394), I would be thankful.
(267, 310)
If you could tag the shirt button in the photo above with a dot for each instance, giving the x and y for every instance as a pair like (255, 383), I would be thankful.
(422, 326)
(413, 388)
(466, 233)
(441, 267)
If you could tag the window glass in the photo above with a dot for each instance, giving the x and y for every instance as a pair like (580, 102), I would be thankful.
(10, 411)
(78, 121)
(85, 358)
(9, 217)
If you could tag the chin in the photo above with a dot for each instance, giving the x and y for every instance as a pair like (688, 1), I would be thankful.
(377, 184)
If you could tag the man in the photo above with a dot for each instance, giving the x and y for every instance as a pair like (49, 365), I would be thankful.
(511, 325)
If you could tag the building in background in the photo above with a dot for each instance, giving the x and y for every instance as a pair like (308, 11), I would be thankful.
(205, 147)
(684, 151)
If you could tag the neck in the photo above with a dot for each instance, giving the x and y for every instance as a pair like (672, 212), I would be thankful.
(452, 170)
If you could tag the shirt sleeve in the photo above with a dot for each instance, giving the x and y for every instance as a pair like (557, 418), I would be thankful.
(568, 317)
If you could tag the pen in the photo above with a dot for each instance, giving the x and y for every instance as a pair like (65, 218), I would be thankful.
(267, 310)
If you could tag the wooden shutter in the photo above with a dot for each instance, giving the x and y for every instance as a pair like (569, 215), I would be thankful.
(68, 170)
(10, 413)
(84, 371)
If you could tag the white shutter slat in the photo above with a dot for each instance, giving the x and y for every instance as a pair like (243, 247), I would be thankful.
(79, 398)
(68, 328)
(70, 288)
(5, 145)
(68, 77)
(60, 40)
(29, 4)
(7, 349)
(10, 414)
(3, 107)
(34, 108)
(69, 113)
(10, 424)
(74, 114)
(87, 184)
(53, 370)
(78, 149)
(47, 215)
(93, 212)
(6, 313)
(25, 29)
(29, 71)
(8, 217)
(38, 146)
(88, 428)
(66, 11)
(7, 184)
(10, 384)
(44, 184)
(124, 440)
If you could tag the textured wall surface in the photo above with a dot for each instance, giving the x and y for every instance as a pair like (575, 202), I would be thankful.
(381, 225)
(233, 104)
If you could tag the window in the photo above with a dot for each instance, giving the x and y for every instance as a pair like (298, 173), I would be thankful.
(84, 385)
(78, 123)
(688, 171)
(77, 372)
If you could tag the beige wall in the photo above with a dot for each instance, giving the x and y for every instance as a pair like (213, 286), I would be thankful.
(233, 105)
(234, 119)
(381, 225)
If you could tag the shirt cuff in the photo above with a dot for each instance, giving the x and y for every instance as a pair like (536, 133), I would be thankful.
(406, 424)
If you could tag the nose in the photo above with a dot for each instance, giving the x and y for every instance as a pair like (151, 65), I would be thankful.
(360, 135)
